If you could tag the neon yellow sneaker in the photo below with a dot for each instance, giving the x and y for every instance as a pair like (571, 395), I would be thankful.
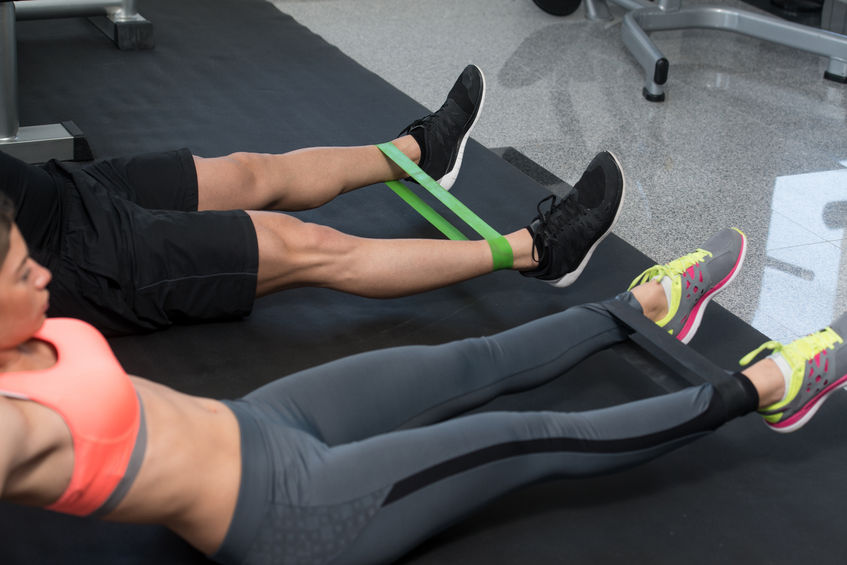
(696, 278)
(818, 365)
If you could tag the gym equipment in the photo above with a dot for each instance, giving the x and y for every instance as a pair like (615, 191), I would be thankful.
(645, 16)
(64, 141)
(669, 14)
(118, 19)
(834, 16)
(501, 251)
(558, 7)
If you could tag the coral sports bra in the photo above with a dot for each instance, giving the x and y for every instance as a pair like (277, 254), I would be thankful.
(95, 397)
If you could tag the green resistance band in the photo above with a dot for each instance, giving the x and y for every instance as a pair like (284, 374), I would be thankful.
(501, 251)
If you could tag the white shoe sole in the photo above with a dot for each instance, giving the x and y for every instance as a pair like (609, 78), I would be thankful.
(449, 179)
(571, 277)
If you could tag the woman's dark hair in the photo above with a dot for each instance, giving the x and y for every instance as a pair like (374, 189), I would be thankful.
(7, 218)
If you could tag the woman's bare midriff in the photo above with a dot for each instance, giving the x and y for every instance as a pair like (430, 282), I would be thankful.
(191, 472)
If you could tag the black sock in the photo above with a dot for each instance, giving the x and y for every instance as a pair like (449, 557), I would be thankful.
(537, 252)
(419, 134)
(749, 389)
(737, 395)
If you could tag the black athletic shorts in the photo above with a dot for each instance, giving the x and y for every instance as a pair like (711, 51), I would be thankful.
(127, 247)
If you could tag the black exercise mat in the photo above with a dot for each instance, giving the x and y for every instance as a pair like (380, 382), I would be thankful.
(229, 75)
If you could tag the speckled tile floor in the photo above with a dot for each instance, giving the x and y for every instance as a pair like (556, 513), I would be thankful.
(750, 134)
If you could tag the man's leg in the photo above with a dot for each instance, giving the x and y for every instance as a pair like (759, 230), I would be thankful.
(307, 178)
(293, 253)
(555, 246)
(298, 180)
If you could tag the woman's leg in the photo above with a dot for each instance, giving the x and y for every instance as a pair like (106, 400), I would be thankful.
(434, 476)
(372, 500)
(380, 391)
(354, 479)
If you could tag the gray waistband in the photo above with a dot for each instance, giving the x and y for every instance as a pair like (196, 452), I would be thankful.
(255, 488)
(132, 467)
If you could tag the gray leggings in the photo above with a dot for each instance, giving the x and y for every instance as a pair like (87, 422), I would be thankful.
(359, 460)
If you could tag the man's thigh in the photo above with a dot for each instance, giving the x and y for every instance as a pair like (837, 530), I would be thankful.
(196, 266)
(157, 181)
(35, 191)
(165, 267)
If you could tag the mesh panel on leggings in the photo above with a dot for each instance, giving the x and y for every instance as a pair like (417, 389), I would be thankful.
(299, 535)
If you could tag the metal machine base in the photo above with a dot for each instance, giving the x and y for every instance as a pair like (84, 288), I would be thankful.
(36, 144)
(645, 17)
(118, 19)
(127, 35)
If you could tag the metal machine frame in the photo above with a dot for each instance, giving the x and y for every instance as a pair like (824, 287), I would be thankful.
(644, 17)
(118, 19)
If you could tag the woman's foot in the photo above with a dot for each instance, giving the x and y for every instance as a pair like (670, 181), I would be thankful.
(691, 281)
(814, 367)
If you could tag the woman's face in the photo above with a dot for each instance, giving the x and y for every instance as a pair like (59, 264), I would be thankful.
(23, 293)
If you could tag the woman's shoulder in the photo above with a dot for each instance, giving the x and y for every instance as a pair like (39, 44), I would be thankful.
(69, 330)
(68, 323)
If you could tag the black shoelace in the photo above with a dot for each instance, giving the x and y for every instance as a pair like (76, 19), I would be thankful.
(557, 218)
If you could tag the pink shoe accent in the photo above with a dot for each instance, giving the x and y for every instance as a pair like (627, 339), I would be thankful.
(805, 414)
(694, 317)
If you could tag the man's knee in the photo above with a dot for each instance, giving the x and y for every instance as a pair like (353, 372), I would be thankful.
(317, 239)
(245, 169)
(299, 244)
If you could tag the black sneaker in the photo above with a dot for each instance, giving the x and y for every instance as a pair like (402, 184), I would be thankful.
(567, 233)
(442, 135)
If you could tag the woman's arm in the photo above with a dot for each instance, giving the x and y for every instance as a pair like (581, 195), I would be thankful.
(13, 426)
(36, 453)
